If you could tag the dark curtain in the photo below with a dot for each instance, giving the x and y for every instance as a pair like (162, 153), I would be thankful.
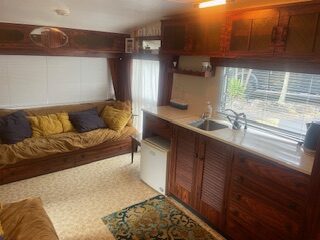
(165, 80)
(120, 69)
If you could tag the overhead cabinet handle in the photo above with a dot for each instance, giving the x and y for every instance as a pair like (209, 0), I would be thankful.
(284, 34)
(274, 34)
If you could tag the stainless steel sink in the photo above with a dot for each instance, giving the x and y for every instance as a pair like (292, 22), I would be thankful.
(207, 125)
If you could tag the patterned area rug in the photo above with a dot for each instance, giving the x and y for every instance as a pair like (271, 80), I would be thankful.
(156, 219)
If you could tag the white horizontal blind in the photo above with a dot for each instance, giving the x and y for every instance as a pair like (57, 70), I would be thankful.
(279, 101)
(44, 80)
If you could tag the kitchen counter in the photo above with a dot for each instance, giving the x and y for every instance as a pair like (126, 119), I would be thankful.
(276, 149)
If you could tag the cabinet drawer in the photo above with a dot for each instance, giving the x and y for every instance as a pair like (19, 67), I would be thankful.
(156, 126)
(236, 230)
(264, 212)
(294, 205)
(242, 225)
(272, 174)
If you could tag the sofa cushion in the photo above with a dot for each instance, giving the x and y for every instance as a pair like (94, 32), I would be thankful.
(115, 119)
(27, 220)
(122, 105)
(86, 121)
(15, 128)
(66, 123)
(45, 125)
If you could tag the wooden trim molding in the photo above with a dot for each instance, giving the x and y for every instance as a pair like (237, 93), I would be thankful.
(15, 39)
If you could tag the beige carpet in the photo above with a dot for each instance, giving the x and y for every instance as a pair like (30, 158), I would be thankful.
(76, 199)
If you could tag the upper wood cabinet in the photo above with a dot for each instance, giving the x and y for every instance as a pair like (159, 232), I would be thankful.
(300, 31)
(193, 37)
(252, 33)
(174, 36)
(213, 166)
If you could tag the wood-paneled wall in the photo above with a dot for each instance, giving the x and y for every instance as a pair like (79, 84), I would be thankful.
(15, 39)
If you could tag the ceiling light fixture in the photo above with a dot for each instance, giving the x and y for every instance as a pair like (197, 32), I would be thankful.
(62, 12)
(212, 3)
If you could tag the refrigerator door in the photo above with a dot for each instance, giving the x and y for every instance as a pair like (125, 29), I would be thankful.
(153, 166)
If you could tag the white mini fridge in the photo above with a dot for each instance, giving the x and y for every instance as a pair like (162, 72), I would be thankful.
(153, 163)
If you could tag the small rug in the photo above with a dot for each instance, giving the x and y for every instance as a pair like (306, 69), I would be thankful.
(157, 219)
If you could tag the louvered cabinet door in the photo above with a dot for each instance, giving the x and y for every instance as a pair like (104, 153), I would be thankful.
(183, 165)
(213, 166)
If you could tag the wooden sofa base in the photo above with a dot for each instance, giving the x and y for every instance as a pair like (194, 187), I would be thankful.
(36, 167)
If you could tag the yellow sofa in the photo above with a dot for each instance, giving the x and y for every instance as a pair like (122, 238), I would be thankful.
(34, 156)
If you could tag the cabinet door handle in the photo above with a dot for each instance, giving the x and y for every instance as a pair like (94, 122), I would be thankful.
(274, 34)
(284, 34)
(195, 155)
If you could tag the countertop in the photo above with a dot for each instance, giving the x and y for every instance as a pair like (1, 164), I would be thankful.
(271, 147)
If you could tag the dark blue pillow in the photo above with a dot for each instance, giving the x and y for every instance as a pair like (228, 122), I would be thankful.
(15, 128)
(86, 121)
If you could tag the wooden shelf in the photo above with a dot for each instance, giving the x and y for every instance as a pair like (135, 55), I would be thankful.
(193, 73)
(148, 38)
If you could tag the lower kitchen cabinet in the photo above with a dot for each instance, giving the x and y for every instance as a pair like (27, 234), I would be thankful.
(183, 165)
(214, 163)
(198, 175)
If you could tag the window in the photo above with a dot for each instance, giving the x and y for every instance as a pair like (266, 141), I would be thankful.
(145, 84)
(282, 102)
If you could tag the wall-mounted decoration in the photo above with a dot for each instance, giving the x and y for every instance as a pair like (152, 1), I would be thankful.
(129, 45)
(49, 37)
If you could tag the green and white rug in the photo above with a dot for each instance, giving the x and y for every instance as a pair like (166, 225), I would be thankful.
(154, 219)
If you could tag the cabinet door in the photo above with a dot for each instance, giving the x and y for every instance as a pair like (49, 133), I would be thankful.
(253, 33)
(196, 38)
(301, 30)
(183, 165)
(214, 163)
(214, 36)
(174, 36)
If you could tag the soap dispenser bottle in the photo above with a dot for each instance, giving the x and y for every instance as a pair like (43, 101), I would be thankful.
(209, 110)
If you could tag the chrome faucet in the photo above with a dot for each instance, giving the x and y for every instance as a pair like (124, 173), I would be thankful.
(205, 115)
(236, 125)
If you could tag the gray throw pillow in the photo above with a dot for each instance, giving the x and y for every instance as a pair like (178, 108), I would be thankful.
(14, 128)
(86, 121)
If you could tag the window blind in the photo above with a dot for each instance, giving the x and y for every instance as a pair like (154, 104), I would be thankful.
(279, 101)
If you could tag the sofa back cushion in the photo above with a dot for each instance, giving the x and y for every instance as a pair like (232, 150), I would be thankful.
(87, 120)
(66, 123)
(14, 128)
(115, 119)
(45, 125)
